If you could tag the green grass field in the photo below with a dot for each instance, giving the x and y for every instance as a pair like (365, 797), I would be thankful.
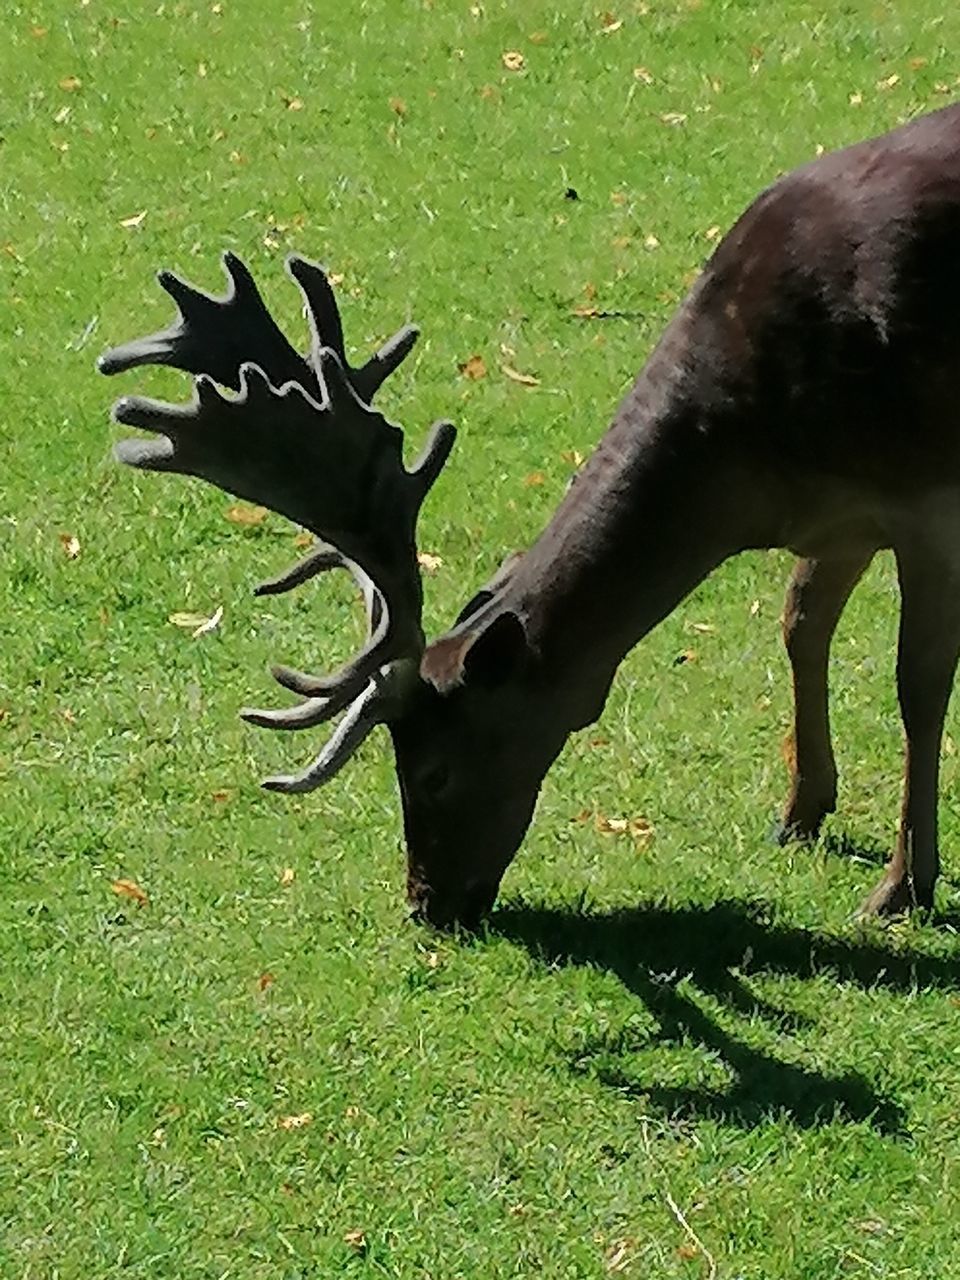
(673, 1059)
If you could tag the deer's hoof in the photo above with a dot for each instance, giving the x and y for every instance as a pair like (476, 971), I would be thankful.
(891, 897)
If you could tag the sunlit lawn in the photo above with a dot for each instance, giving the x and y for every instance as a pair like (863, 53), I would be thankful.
(670, 1059)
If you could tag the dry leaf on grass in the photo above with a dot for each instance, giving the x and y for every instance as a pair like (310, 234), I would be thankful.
(639, 829)
(356, 1240)
(513, 60)
(265, 980)
(71, 545)
(534, 480)
(609, 24)
(134, 220)
(524, 379)
(295, 1122)
(70, 84)
(208, 624)
(129, 889)
(197, 624)
(244, 515)
(474, 368)
(429, 563)
(287, 876)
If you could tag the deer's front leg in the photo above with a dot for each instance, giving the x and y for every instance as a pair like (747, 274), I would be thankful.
(816, 595)
(926, 662)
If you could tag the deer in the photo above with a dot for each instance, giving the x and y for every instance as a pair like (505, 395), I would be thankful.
(804, 396)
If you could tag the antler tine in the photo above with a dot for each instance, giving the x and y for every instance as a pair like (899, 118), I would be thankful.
(355, 726)
(327, 330)
(378, 650)
(320, 559)
(432, 460)
(216, 335)
(376, 704)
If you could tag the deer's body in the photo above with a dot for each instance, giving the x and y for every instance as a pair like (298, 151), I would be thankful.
(806, 395)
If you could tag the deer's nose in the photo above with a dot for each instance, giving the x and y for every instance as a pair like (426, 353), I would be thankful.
(466, 907)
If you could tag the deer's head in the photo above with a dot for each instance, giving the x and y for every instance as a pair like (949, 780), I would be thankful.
(469, 714)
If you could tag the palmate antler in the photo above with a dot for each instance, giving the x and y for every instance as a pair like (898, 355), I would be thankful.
(300, 438)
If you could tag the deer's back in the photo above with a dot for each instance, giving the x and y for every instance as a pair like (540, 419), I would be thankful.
(827, 324)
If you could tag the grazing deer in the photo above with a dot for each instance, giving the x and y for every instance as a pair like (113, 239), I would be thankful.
(806, 395)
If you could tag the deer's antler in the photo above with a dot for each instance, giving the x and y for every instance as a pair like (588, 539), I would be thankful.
(216, 336)
(301, 438)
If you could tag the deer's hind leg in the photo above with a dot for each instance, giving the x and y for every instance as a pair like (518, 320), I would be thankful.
(816, 594)
(929, 644)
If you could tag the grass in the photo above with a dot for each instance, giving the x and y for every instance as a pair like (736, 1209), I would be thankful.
(679, 1060)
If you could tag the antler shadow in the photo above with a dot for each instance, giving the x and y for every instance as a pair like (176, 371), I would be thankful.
(661, 953)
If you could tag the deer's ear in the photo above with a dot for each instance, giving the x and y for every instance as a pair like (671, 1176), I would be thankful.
(490, 589)
(486, 655)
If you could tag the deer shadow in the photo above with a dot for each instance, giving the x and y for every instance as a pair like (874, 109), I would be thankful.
(672, 957)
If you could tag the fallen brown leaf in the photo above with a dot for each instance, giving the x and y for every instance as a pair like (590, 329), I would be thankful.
(295, 1122)
(429, 563)
(129, 889)
(533, 480)
(673, 118)
(356, 1240)
(474, 368)
(70, 84)
(265, 980)
(71, 545)
(248, 516)
(134, 220)
(303, 539)
(287, 876)
(641, 829)
(609, 24)
(574, 457)
(513, 60)
(398, 107)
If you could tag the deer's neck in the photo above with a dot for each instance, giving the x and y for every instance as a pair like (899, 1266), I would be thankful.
(665, 498)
